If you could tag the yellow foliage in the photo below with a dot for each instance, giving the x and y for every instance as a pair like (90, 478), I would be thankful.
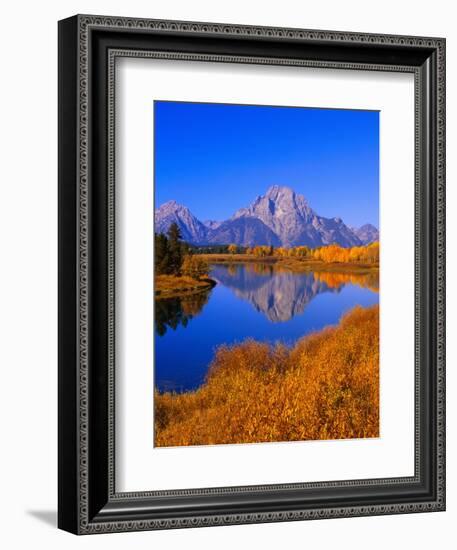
(336, 279)
(368, 254)
(333, 253)
(325, 387)
(262, 251)
(194, 266)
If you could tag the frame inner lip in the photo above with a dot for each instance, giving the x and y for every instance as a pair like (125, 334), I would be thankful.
(113, 54)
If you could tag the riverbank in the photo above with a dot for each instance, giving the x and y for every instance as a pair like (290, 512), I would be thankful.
(299, 265)
(305, 265)
(171, 286)
(325, 387)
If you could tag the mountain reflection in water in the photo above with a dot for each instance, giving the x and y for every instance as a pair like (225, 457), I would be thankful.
(281, 294)
(259, 301)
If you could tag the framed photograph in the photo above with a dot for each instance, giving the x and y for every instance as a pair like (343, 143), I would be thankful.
(251, 274)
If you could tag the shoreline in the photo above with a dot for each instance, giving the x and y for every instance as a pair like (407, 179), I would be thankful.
(176, 287)
(294, 264)
(282, 394)
(171, 286)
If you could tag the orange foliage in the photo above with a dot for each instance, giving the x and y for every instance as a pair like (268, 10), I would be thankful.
(357, 254)
(262, 251)
(333, 253)
(336, 279)
(325, 387)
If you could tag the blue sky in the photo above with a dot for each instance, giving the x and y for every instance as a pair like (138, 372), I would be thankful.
(216, 158)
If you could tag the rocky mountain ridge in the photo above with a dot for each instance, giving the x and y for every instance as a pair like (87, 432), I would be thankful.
(281, 217)
(367, 233)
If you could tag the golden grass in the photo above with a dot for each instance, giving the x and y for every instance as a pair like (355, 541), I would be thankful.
(298, 265)
(167, 286)
(325, 387)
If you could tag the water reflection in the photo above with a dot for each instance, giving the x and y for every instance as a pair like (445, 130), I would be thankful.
(174, 312)
(281, 294)
(337, 280)
(258, 301)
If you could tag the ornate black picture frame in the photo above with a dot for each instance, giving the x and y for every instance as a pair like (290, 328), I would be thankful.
(88, 501)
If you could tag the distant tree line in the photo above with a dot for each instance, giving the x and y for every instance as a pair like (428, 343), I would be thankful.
(368, 254)
(332, 253)
(175, 257)
(261, 251)
(232, 249)
(217, 249)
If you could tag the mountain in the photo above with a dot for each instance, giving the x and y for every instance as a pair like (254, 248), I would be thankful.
(212, 224)
(244, 232)
(367, 233)
(281, 217)
(295, 223)
(192, 229)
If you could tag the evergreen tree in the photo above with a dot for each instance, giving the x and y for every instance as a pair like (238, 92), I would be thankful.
(161, 254)
(174, 248)
(186, 249)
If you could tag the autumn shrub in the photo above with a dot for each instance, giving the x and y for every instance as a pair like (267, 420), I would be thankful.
(195, 267)
(368, 254)
(325, 387)
(333, 253)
